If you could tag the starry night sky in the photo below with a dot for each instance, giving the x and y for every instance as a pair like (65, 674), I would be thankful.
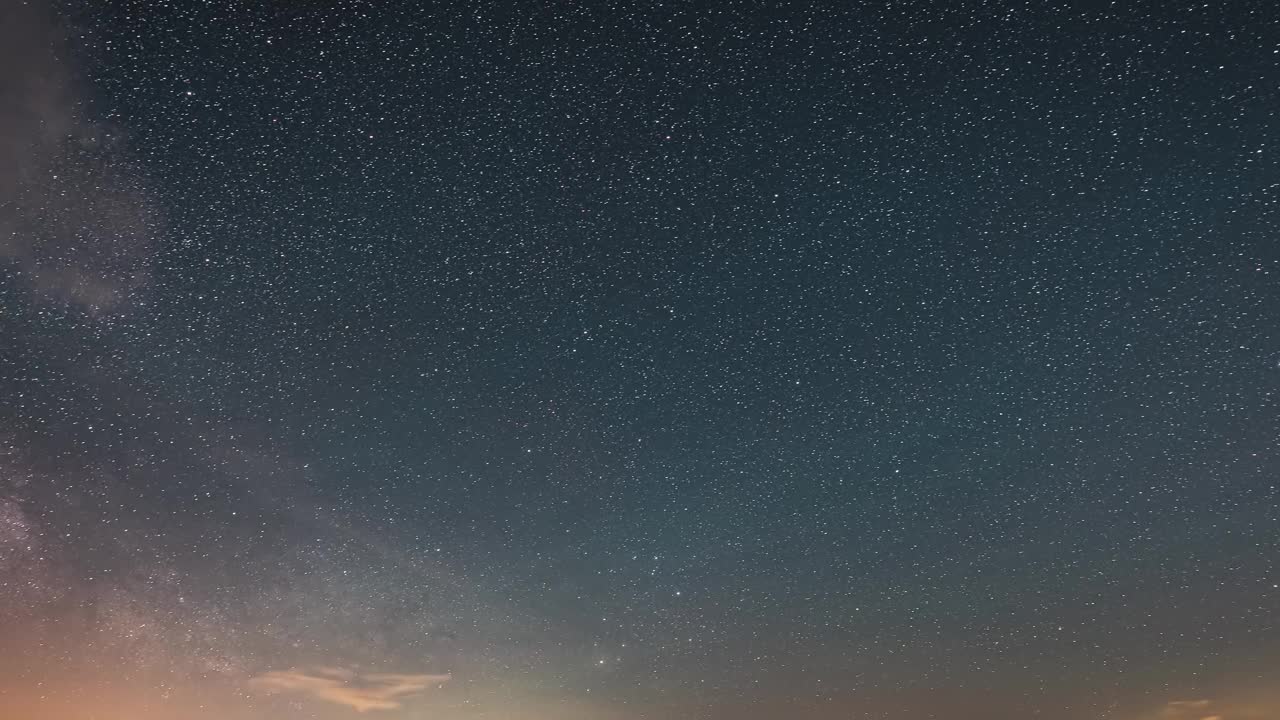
(568, 360)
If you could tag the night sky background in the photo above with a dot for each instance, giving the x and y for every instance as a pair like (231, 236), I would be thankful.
(568, 360)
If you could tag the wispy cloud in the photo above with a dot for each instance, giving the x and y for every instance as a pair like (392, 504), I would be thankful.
(1185, 708)
(1236, 705)
(361, 692)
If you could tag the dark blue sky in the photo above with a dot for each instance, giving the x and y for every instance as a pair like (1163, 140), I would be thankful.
(629, 360)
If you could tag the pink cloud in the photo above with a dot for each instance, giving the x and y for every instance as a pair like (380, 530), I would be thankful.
(359, 691)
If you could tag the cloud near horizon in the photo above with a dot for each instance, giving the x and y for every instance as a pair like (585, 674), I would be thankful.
(1237, 705)
(361, 692)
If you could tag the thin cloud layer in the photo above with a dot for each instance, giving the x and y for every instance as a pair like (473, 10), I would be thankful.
(1236, 705)
(360, 692)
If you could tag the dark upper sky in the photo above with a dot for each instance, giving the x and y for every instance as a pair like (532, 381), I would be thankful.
(608, 361)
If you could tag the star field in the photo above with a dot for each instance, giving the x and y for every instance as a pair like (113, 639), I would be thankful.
(629, 360)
